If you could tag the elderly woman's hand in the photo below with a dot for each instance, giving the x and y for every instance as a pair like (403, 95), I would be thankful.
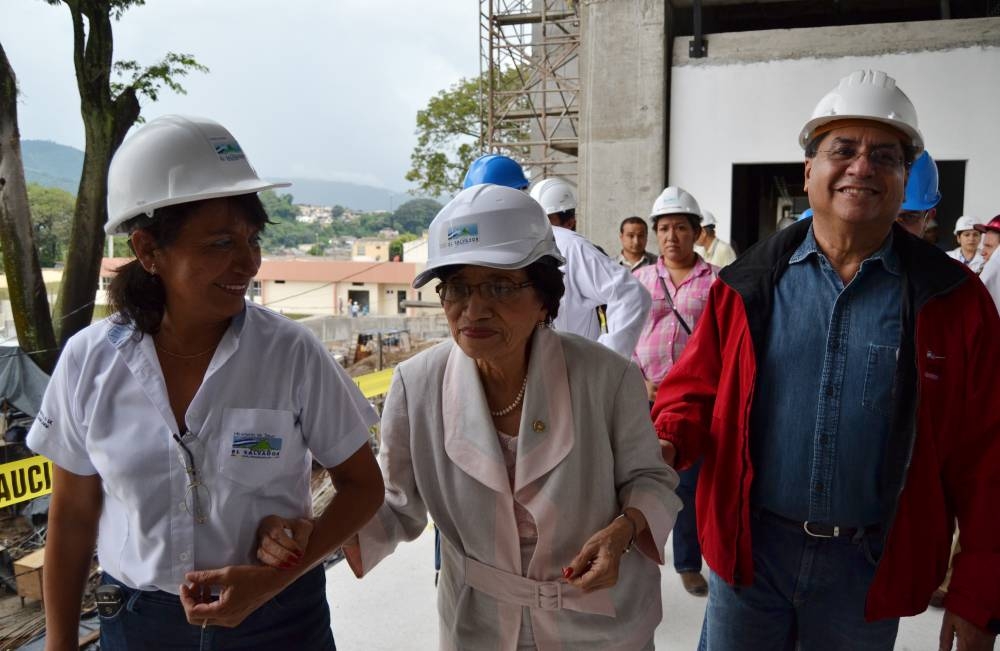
(595, 567)
(281, 542)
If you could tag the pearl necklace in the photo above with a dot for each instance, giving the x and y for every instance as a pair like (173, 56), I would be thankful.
(517, 401)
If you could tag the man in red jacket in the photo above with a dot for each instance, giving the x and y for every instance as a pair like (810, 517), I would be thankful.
(833, 391)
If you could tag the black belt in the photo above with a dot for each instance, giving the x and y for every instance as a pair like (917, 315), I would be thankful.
(818, 529)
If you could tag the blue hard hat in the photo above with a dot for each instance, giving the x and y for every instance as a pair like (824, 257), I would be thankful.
(496, 169)
(922, 186)
(808, 212)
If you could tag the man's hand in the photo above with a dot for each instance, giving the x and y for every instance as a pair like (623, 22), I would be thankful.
(651, 391)
(966, 635)
(668, 451)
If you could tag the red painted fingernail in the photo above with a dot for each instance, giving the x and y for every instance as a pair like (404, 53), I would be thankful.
(287, 566)
(567, 572)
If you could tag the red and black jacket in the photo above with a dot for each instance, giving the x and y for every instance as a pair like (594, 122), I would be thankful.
(943, 456)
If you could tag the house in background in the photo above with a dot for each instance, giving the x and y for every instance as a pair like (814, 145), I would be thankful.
(321, 286)
(370, 249)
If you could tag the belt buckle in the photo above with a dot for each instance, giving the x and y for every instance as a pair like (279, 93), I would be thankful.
(836, 531)
(544, 601)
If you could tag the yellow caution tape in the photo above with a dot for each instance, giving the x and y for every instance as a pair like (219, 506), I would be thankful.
(374, 384)
(25, 480)
(30, 478)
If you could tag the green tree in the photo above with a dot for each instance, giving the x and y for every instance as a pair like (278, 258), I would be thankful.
(396, 248)
(26, 287)
(279, 207)
(415, 215)
(109, 107)
(52, 216)
(450, 134)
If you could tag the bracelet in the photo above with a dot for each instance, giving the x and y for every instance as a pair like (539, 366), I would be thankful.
(635, 531)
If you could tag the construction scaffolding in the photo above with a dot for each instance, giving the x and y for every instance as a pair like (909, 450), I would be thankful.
(529, 60)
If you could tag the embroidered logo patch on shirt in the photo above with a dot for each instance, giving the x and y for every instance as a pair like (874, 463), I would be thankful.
(256, 446)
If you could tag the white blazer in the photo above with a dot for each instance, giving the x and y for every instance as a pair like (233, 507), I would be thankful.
(586, 450)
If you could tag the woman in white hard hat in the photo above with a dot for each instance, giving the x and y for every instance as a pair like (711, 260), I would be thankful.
(179, 423)
(967, 251)
(531, 449)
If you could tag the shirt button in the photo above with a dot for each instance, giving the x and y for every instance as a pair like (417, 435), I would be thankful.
(181, 506)
(184, 556)
(829, 391)
(819, 487)
(824, 439)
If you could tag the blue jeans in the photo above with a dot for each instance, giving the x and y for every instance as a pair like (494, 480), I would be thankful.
(298, 618)
(807, 593)
(687, 551)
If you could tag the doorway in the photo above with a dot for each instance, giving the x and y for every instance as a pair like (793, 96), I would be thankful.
(361, 297)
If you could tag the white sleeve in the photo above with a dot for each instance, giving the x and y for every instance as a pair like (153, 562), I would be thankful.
(990, 275)
(726, 255)
(335, 416)
(606, 282)
(403, 515)
(59, 432)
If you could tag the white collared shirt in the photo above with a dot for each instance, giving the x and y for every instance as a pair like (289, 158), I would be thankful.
(271, 400)
(975, 264)
(594, 279)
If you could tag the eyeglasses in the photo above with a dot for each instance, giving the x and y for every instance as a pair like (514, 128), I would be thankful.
(880, 157)
(500, 290)
(912, 215)
(197, 491)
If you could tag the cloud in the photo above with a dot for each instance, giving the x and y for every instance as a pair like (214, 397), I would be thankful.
(311, 88)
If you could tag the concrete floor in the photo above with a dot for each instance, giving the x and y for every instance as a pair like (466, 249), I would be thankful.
(394, 609)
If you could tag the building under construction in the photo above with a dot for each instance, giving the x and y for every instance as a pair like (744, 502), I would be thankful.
(624, 97)
(529, 53)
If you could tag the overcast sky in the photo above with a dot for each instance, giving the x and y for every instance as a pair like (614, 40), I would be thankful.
(311, 88)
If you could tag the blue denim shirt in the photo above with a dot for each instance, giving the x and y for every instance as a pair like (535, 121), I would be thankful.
(821, 409)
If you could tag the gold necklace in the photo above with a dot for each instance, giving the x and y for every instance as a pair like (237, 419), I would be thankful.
(179, 356)
(517, 400)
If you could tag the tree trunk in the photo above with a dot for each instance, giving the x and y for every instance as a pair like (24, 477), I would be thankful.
(105, 123)
(28, 297)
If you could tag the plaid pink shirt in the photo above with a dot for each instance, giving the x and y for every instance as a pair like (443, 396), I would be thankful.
(663, 339)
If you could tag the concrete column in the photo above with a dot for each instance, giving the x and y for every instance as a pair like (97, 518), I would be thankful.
(623, 114)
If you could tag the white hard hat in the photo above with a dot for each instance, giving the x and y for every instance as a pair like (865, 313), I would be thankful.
(176, 159)
(965, 223)
(707, 218)
(866, 95)
(555, 195)
(674, 201)
(489, 226)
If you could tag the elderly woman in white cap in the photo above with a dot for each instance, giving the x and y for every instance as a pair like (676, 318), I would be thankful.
(169, 442)
(532, 450)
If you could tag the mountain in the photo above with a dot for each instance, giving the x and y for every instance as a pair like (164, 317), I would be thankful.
(54, 165)
(339, 193)
(51, 164)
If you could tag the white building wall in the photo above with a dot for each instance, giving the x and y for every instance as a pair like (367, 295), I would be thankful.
(748, 100)
(297, 297)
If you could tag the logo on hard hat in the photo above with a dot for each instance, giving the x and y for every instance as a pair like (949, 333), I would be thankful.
(228, 151)
(462, 234)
